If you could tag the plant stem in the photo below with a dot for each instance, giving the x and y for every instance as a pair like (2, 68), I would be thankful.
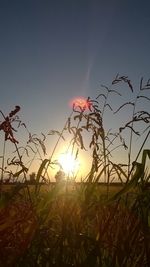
(3, 161)
(57, 142)
(25, 178)
(139, 151)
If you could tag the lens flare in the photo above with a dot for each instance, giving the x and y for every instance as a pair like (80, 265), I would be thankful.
(80, 102)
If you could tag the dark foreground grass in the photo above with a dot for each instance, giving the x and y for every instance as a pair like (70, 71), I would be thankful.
(76, 227)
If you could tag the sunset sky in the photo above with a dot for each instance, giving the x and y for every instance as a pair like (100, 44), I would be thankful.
(52, 51)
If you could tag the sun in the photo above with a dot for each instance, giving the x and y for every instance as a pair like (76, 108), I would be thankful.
(69, 163)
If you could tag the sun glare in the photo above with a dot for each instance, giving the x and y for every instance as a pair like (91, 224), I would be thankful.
(69, 164)
(79, 102)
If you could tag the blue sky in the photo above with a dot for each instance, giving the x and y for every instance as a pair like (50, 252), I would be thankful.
(51, 51)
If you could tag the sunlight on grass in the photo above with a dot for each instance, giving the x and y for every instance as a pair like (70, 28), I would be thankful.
(78, 220)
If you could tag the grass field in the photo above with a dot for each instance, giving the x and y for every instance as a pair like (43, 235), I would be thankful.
(75, 225)
(87, 224)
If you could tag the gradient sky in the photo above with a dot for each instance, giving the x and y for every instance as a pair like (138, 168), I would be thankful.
(51, 51)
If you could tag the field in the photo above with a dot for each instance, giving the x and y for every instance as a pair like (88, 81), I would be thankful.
(75, 225)
(86, 224)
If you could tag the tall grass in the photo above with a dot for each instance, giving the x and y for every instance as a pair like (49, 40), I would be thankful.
(87, 224)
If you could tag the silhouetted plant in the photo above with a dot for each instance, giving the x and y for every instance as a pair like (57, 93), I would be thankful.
(87, 224)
